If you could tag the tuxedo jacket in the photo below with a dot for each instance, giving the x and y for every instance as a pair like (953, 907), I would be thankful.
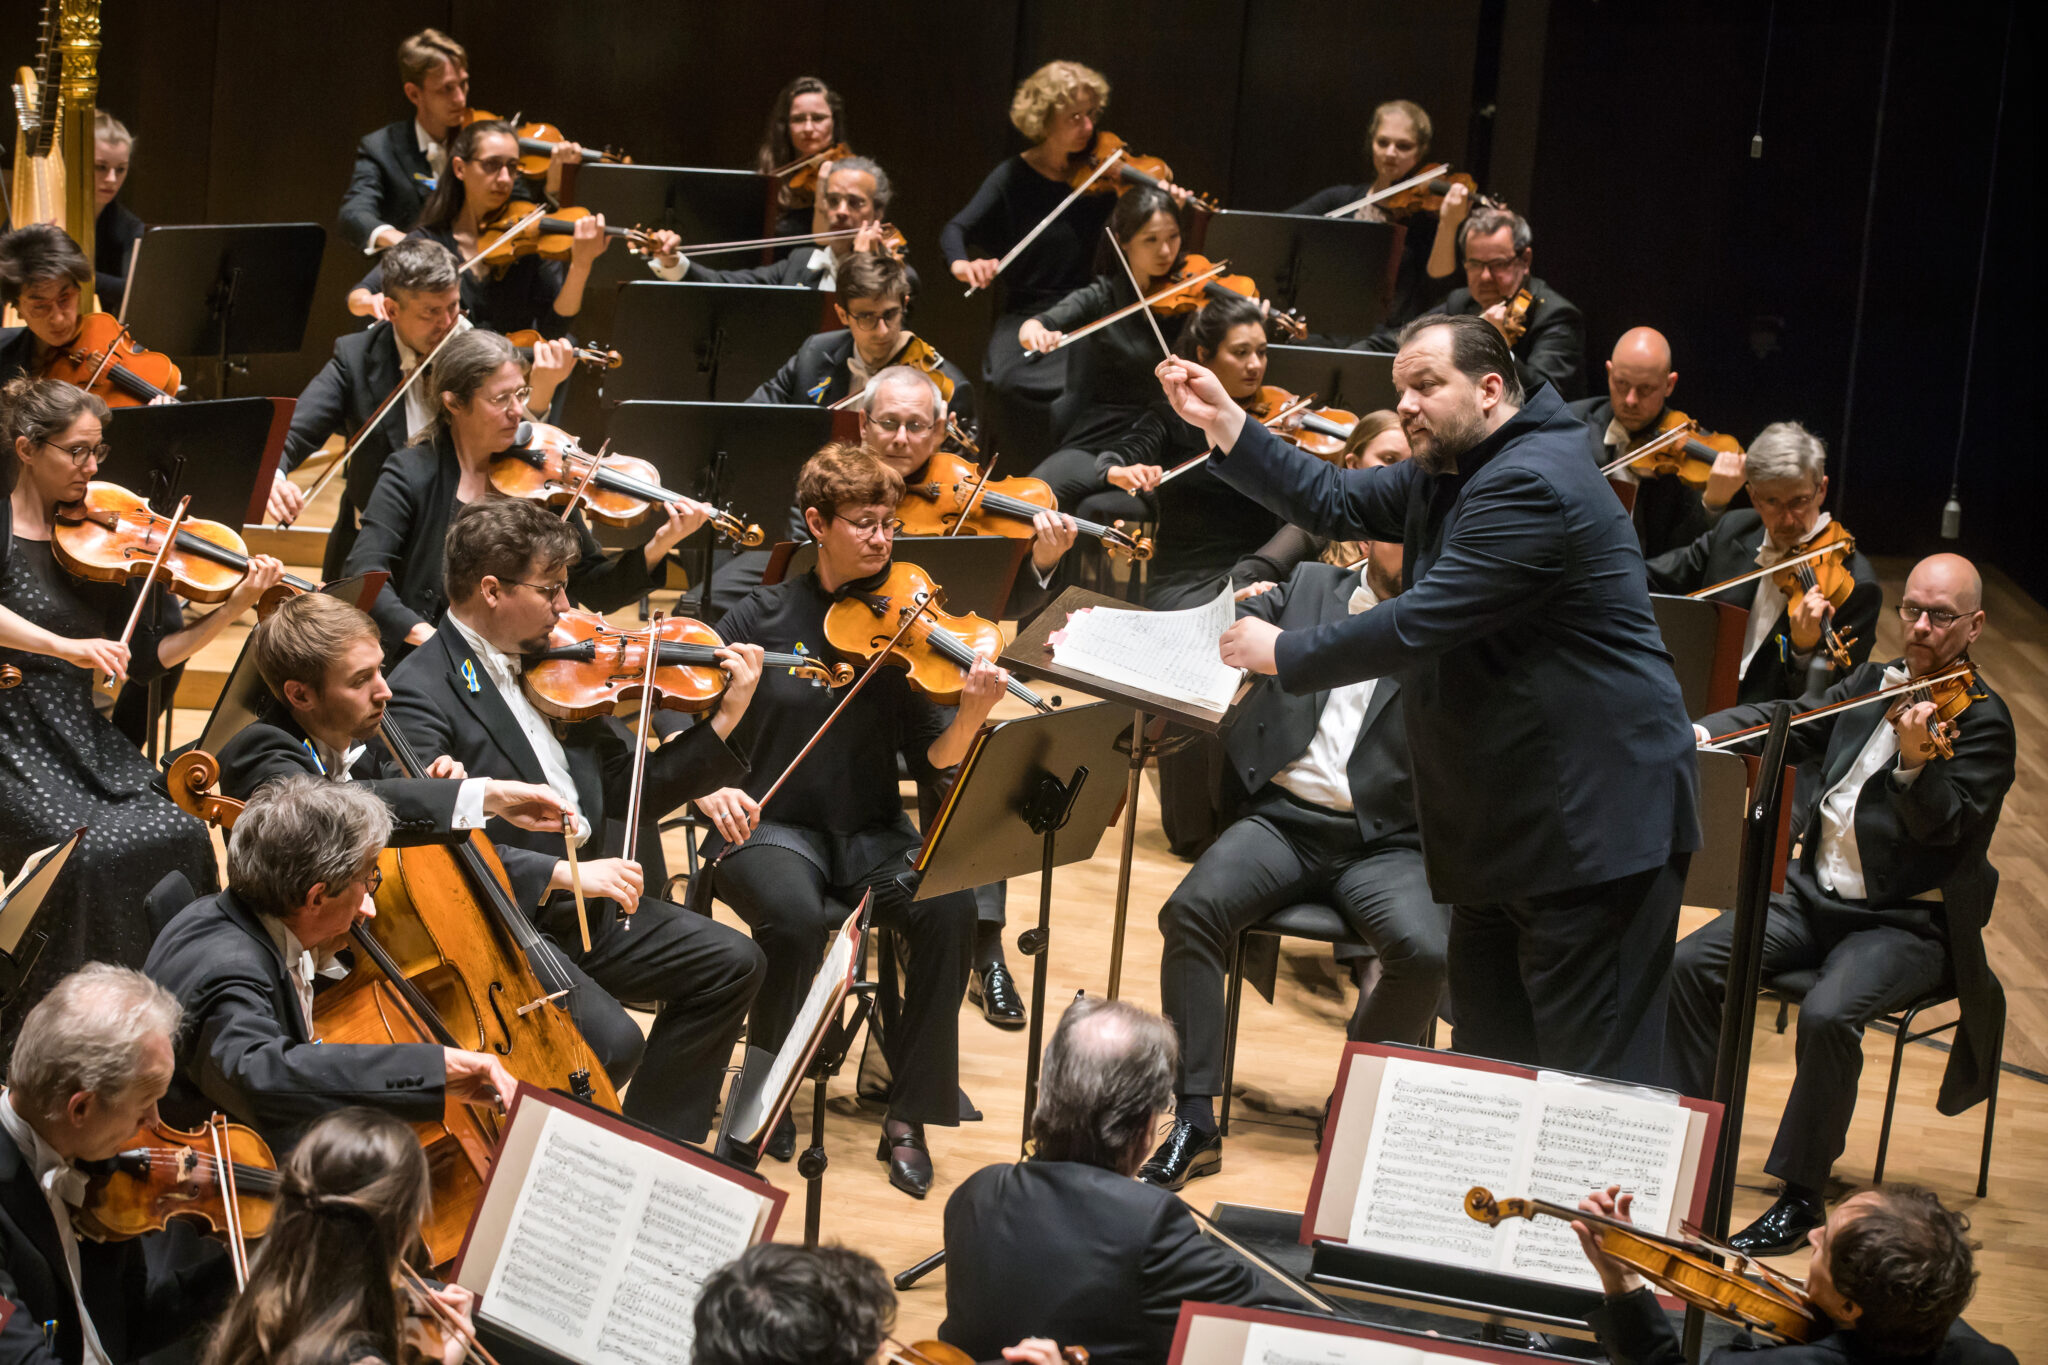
(143, 1294)
(1669, 511)
(1549, 740)
(406, 522)
(1081, 1255)
(114, 235)
(439, 711)
(17, 352)
(361, 373)
(1730, 549)
(1932, 834)
(422, 809)
(1553, 344)
(245, 1049)
(794, 268)
(1273, 727)
(1635, 1331)
(389, 185)
(817, 375)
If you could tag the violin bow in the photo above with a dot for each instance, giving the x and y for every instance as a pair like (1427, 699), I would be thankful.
(1142, 304)
(1165, 351)
(1298, 405)
(397, 393)
(155, 567)
(756, 243)
(793, 167)
(570, 829)
(1028, 238)
(980, 483)
(423, 1296)
(1423, 177)
(1208, 1226)
(589, 473)
(1962, 668)
(1847, 545)
(1657, 446)
(231, 1212)
(643, 725)
(539, 212)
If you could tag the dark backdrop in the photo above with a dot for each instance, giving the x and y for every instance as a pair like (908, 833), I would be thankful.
(1622, 129)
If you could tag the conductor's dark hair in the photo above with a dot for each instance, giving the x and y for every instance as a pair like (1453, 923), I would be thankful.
(776, 148)
(1477, 349)
(37, 253)
(1108, 1072)
(1208, 325)
(780, 1304)
(504, 538)
(445, 203)
(1907, 1262)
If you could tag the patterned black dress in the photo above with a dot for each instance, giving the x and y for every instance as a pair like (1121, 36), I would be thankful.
(63, 765)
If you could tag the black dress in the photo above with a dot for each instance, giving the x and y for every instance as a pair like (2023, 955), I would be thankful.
(63, 765)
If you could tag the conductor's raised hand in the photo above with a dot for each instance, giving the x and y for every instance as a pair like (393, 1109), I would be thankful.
(1201, 400)
(1250, 643)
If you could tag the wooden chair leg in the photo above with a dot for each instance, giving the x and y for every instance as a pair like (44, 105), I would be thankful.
(1891, 1094)
(1234, 1001)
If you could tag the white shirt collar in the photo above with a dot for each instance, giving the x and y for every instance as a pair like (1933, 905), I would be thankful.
(1766, 554)
(427, 144)
(1363, 598)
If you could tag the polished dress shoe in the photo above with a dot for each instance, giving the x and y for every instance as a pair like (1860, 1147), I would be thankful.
(1783, 1227)
(912, 1173)
(1187, 1153)
(782, 1141)
(995, 990)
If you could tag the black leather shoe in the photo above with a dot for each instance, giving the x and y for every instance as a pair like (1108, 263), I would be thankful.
(1187, 1153)
(782, 1141)
(913, 1175)
(995, 990)
(1783, 1227)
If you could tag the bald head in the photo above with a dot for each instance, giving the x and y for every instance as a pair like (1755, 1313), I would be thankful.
(1639, 377)
(1950, 578)
(1944, 609)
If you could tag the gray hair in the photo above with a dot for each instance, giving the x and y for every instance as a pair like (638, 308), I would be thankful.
(1108, 1071)
(88, 1034)
(419, 265)
(463, 366)
(300, 832)
(903, 374)
(884, 191)
(1783, 452)
(1485, 221)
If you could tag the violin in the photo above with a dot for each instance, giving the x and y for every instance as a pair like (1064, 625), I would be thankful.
(1221, 286)
(954, 499)
(1515, 321)
(112, 535)
(901, 618)
(1830, 573)
(590, 668)
(1678, 446)
(548, 236)
(163, 1173)
(105, 360)
(800, 177)
(1951, 689)
(896, 1352)
(537, 143)
(1426, 196)
(1777, 1305)
(1323, 432)
(546, 464)
(1131, 169)
(593, 356)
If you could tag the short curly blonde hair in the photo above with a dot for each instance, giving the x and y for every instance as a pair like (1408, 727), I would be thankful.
(1047, 88)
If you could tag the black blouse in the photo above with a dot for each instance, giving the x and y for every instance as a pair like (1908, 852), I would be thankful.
(1010, 202)
(1205, 525)
(1110, 381)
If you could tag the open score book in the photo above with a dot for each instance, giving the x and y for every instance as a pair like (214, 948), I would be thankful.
(1171, 654)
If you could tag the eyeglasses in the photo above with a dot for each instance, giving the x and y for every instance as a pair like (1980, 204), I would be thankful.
(1499, 267)
(80, 454)
(871, 530)
(508, 401)
(868, 322)
(889, 426)
(373, 881)
(494, 165)
(42, 308)
(550, 591)
(1940, 620)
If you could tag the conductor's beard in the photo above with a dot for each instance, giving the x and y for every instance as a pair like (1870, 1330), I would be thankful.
(1437, 446)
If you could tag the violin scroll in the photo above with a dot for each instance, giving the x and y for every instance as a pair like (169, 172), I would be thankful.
(10, 676)
(192, 778)
(1483, 1207)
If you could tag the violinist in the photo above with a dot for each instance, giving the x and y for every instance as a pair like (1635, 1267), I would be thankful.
(68, 765)
(116, 230)
(837, 828)
(1892, 1270)
(507, 568)
(42, 272)
(1396, 143)
(1055, 108)
(1786, 472)
(1891, 837)
(873, 304)
(481, 389)
(93, 1058)
(855, 194)
(329, 1285)
(1548, 341)
(1668, 511)
(398, 166)
(807, 120)
(244, 963)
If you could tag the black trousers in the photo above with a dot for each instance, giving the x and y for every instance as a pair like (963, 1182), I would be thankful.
(1870, 963)
(1018, 394)
(696, 974)
(785, 898)
(1284, 852)
(1071, 473)
(1577, 979)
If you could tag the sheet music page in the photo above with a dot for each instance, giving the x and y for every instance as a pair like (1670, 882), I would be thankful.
(1168, 653)
(838, 962)
(1589, 1137)
(1269, 1344)
(609, 1244)
(1437, 1132)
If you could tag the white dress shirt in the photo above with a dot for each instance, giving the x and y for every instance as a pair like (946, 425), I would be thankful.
(300, 965)
(63, 1187)
(469, 797)
(1837, 861)
(1616, 440)
(436, 154)
(503, 672)
(419, 406)
(1322, 776)
(1768, 603)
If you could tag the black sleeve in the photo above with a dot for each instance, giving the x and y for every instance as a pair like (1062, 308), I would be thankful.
(1681, 570)
(321, 412)
(605, 582)
(383, 543)
(1322, 201)
(1635, 1331)
(687, 766)
(21, 1336)
(1803, 741)
(422, 810)
(783, 387)
(544, 287)
(1093, 300)
(1557, 352)
(980, 223)
(1147, 442)
(1181, 1265)
(1274, 562)
(360, 210)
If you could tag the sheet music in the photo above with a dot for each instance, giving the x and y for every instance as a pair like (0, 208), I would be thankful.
(609, 1245)
(1269, 1344)
(22, 898)
(1171, 654)
(749, 1124)
(1589, 1139)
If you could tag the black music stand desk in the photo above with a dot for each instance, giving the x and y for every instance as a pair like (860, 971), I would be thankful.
(1359, 381)
(222, 452)
(225, 291)
(1339, 272)
(703, 342)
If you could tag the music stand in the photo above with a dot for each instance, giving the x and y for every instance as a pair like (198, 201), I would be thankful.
(742, 455)
(976, 571)
(1338, 271)
(19, 905)
(1359, 381)
(219, 291)
(705, 342)
(223, 452)
(1704, 638)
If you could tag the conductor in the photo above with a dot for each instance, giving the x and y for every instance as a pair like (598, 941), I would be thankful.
(1554, 775)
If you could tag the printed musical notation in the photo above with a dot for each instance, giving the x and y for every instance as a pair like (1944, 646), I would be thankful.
(1268, 1344)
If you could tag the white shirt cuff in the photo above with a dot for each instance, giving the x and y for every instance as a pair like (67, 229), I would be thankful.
(1044, 576)
(1906, 777)
(370, 248)
(671, 273)
(469, 804)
